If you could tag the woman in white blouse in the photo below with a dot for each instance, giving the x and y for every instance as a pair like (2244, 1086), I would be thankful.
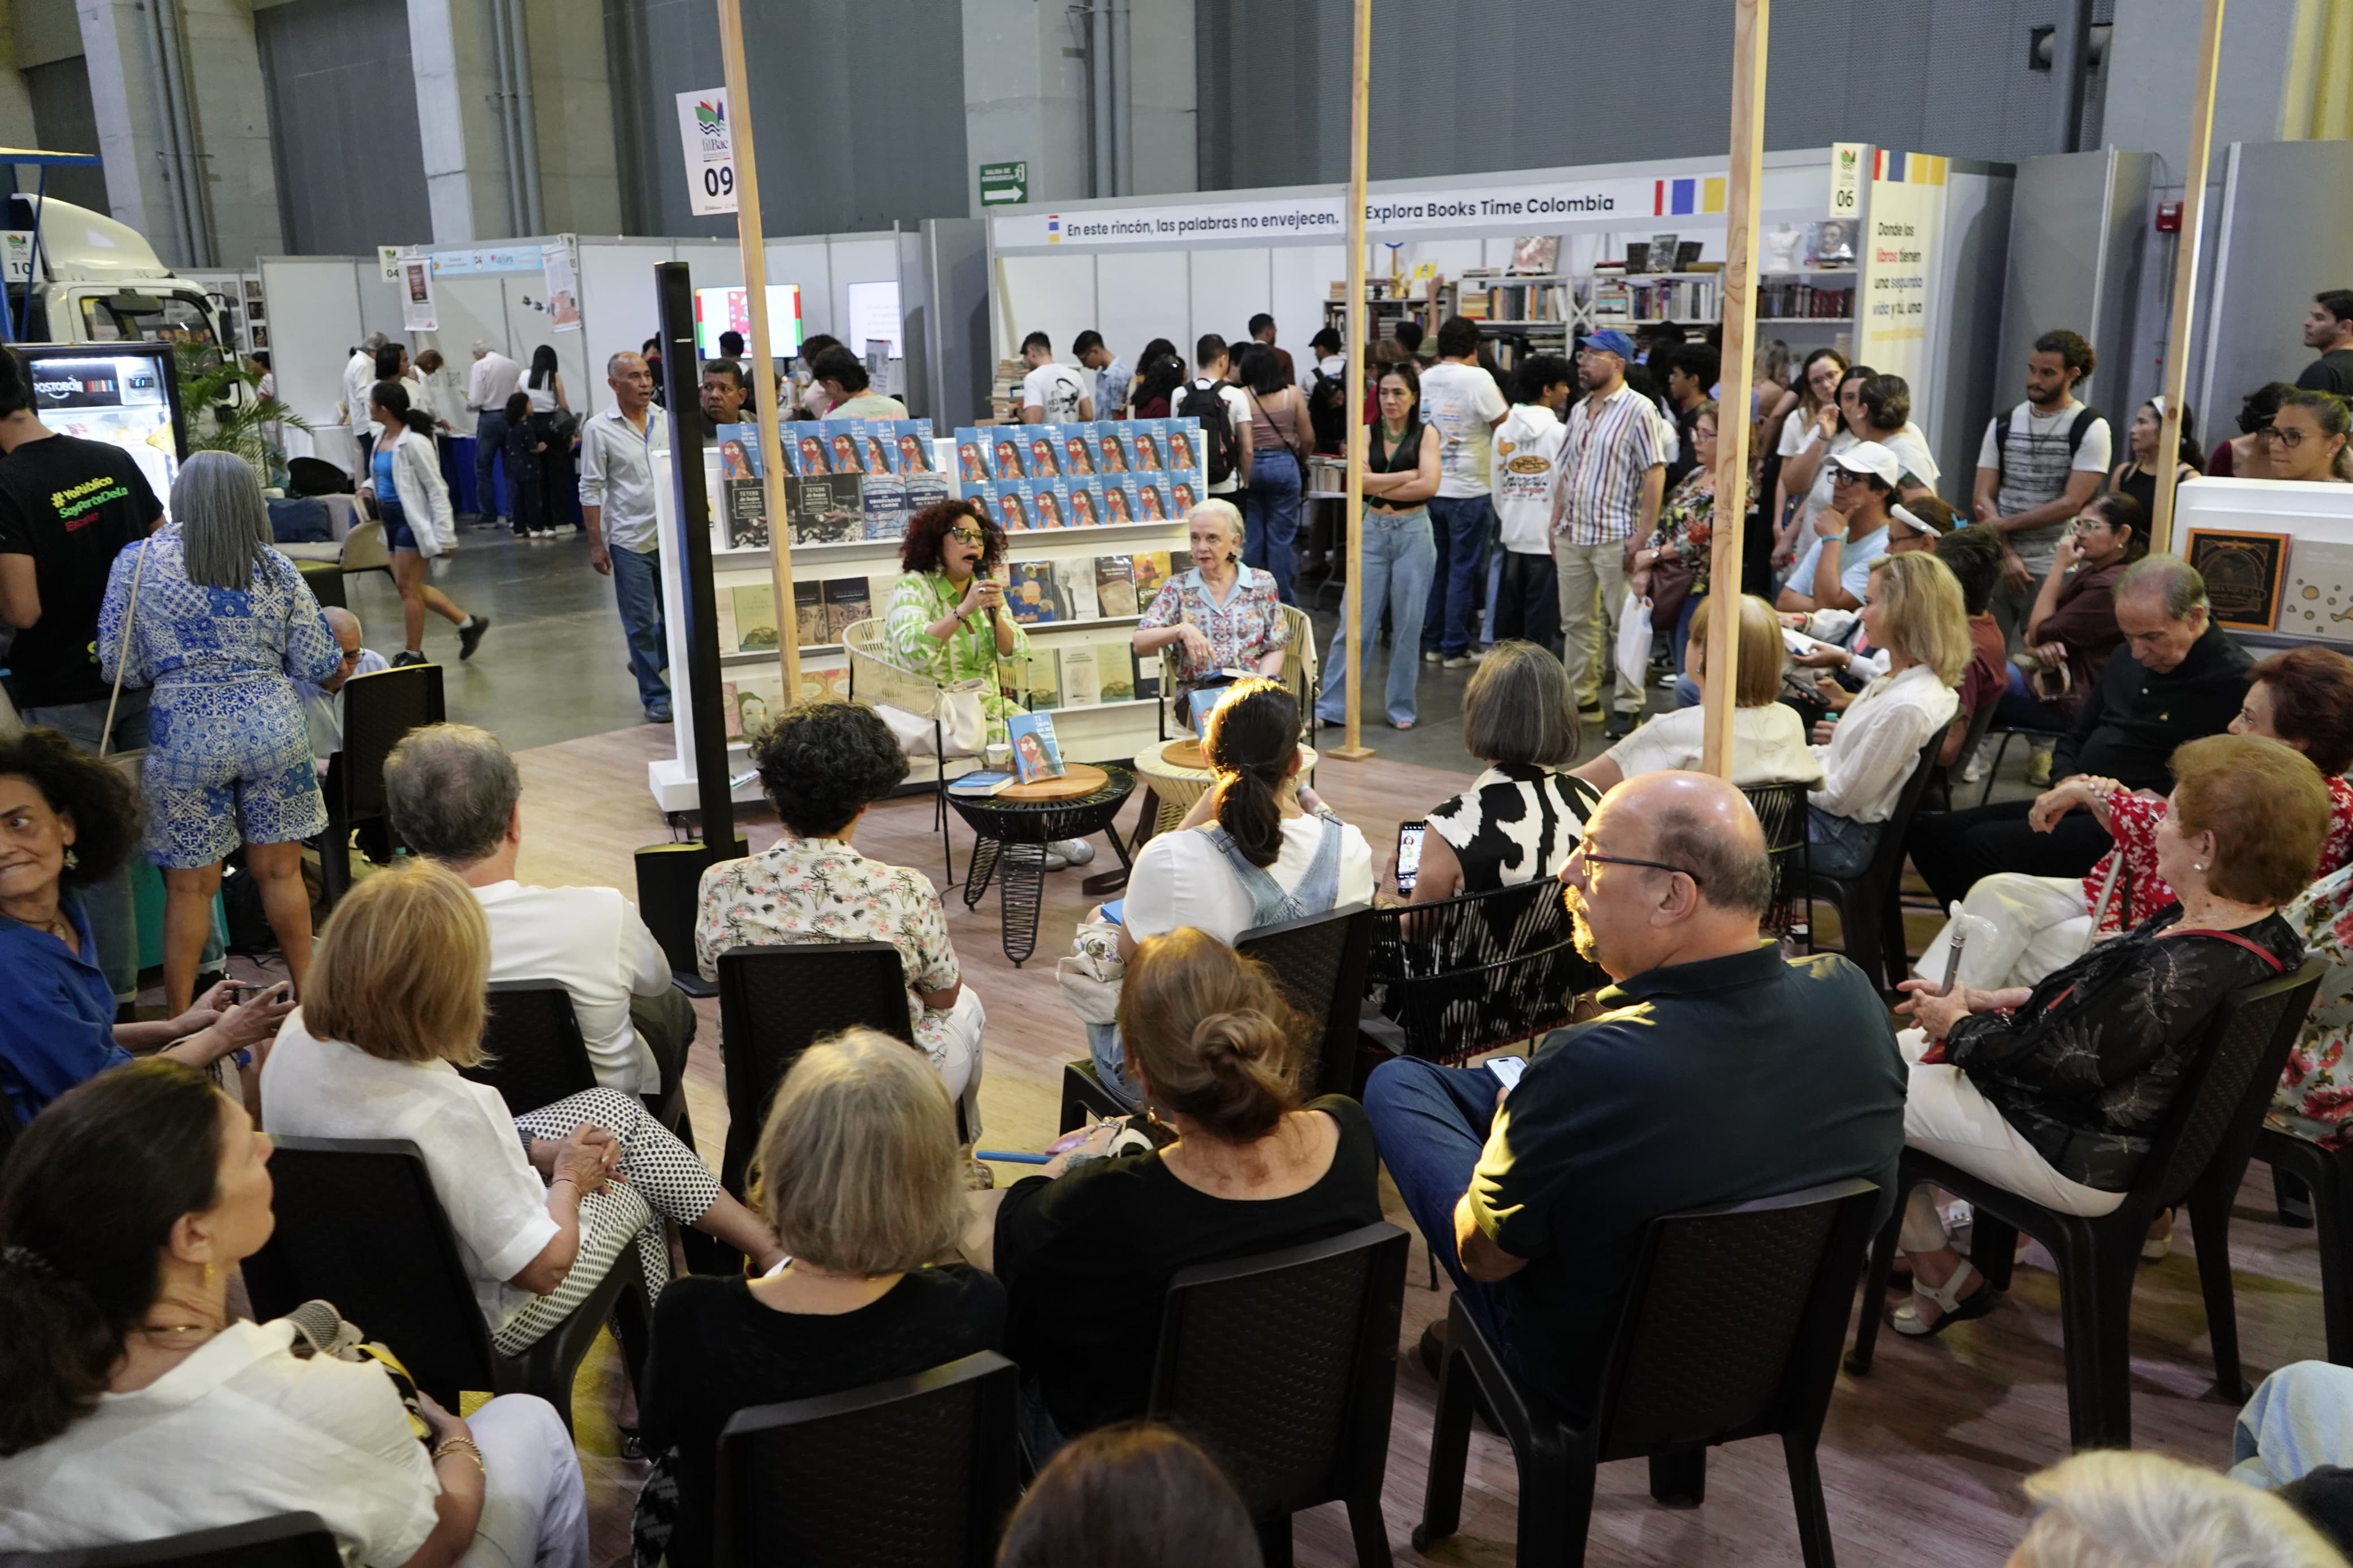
(136, 1410)
(1913, 610)
(543, 1204)
(1768, 739)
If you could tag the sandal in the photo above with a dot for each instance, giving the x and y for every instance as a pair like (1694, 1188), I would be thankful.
(1952, 1307)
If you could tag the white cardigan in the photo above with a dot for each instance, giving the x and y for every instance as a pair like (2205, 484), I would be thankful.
(416, 485)
(1876, 741)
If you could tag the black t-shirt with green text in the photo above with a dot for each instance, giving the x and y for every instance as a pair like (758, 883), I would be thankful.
(71, 505)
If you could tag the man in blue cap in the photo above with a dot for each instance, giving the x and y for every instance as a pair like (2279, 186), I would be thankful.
(1613, 474)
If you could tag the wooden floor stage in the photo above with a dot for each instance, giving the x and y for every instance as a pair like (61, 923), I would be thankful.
(1922, 1459)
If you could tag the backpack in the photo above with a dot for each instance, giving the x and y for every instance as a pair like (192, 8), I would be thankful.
(1327, 412)
(2085, 415)
(1205, 402)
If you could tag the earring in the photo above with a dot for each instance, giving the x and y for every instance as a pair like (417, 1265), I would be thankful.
(211, 1271)
(73, 861)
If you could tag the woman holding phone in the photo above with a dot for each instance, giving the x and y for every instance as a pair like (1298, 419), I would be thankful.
(947, 616)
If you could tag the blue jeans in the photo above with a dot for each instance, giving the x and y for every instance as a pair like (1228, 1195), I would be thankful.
(637, 583)
(1431, 1124)
(1680, 638)
(2295, 1423)
(1398, 560)
(490, 435)
(1459, 526)
(1839, 846)
(1270, 517)
(113, 914)
(1111, 1064)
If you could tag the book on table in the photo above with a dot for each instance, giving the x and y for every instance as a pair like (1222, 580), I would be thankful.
(983, 783)
(1036, 754)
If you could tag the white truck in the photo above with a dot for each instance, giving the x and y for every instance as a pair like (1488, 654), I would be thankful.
(98, 281)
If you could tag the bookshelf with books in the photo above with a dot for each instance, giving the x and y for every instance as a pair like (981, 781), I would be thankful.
(1077, 581)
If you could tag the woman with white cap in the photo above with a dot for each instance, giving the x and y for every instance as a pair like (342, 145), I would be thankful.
(1849, 534)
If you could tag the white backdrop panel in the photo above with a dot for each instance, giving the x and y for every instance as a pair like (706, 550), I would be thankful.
(314, 322)
(1051, 294)
(1228, 287)
(855, 260)
(1142, 296)
(1303, 276)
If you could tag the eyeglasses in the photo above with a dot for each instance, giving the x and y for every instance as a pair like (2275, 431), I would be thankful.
(2286, 437)
(969, 535)
(1590, 858)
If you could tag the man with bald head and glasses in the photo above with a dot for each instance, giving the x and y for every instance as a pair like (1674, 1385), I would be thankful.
(1717, 1071)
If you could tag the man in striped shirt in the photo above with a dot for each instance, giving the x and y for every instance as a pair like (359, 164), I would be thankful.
(1613, 474)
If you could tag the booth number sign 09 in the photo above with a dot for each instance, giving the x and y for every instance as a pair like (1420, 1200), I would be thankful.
(707, 133)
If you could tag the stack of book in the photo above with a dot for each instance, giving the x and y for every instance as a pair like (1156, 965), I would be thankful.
(1804, 301)
(1085, 588)
(845, 480)
(821, 608)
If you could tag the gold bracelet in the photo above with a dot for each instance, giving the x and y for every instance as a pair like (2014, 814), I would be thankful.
(460, 1446)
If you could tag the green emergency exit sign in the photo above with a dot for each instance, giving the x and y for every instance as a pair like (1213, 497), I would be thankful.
(1004, 185)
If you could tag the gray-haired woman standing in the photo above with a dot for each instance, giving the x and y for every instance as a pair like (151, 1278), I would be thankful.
(221, 625)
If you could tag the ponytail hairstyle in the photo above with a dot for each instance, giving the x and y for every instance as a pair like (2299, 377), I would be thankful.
(1210, 1034)
(87, 1200)
(1253, 741)
(393, 398)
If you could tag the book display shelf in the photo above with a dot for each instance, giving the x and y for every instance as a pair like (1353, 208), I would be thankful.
(1078, 588)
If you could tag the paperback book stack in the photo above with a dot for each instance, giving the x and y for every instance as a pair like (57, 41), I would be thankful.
(845, 480)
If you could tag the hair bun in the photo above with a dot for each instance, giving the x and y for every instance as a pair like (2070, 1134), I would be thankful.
(1229, 1042)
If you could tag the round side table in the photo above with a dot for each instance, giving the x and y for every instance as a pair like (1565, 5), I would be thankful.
(1177, 775)
(1013, 828)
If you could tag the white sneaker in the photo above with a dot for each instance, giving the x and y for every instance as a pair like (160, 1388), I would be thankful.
(1073, 851)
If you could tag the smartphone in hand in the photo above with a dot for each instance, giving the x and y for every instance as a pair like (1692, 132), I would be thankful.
(1507, 1070)
(1409, 856)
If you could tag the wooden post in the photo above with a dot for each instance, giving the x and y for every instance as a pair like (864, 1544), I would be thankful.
(1359, 346)
(1750, 23)
(764, 369)
(2185, 276)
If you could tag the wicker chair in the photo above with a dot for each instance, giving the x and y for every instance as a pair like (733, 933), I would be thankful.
(1299, 673)
(1464, 975)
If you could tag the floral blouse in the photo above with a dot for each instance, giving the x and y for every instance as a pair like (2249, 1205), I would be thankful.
(1244, 629)
(821, 889)
(2132, 823)
(2316, 1093)
(2085, 1069)
(1687, 521)
(970, 653)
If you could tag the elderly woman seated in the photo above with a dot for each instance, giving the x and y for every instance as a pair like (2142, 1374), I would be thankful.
(1521, 817)
(2053, 1092)
(68, 820)
(1086, 1249)
(856, 1169)
(1221, 615)
(543, 1204)
(1768, 738)
(2020, 928)
(139, 1406)
(821, 765)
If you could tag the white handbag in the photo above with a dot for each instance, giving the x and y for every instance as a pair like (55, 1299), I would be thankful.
(1635, 640)
(962, 726)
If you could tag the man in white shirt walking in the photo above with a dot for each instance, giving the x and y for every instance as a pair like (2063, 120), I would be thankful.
(617, 503)
(359, 374)
(1613, 476)
(1462, 401)
(2037, 466)
(1051, 394)
(488, 384)
(455, 796)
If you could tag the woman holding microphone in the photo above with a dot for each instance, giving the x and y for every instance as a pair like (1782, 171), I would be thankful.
(947, 616)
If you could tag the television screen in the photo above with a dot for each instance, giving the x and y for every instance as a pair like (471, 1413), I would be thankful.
(124, 393)
(729, 309)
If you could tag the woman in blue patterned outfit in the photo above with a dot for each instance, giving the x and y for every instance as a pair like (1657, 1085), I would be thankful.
(222, 628)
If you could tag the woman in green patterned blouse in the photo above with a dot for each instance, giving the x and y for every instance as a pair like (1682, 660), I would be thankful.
(947, 615)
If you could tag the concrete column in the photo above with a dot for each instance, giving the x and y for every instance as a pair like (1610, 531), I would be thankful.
(16, 102)
(457, 123)
(1025, 95)
(1164, 101)
(124, 95)
(579, 166)
(233, 130)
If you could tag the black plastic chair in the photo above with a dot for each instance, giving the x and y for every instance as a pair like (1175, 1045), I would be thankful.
(775, 1002)
(916, 1473)
(1981, 722)
(1870, 906)
(535, 1055)
(2197, 1155)
(2008, 732)
(282, 1541)
(378, 710)
(1284, 1368)
(308, 476)
(1780, 811)
(2327, 1176)
(1320, 963)
(1473, 973)
(359, 1225)
(1692, 1365)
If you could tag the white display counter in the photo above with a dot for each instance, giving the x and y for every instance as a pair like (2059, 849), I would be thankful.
(2315, 580)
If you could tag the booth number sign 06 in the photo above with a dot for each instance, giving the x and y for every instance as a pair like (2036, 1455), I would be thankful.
(707, 133)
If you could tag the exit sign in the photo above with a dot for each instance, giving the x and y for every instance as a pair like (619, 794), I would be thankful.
(1004, 185)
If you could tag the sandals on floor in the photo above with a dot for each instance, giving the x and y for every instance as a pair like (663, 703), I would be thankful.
(1952, 1307)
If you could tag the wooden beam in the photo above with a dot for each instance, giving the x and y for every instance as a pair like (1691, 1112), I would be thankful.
(1750, 23)
(1359, 345)
(2185, 275)
(748, 240)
